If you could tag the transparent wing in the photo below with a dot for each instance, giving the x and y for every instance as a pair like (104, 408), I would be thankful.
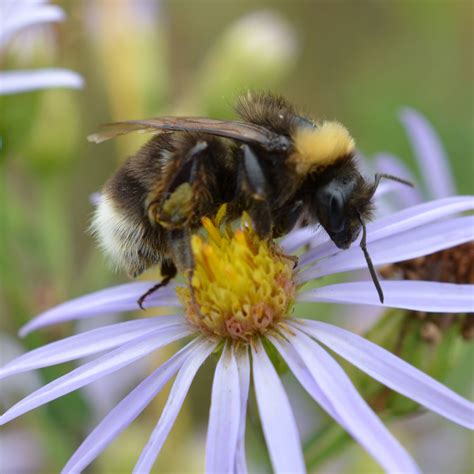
(241, 131)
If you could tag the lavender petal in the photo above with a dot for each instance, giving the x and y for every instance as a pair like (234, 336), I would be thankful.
(392, 371)
(304, 377)
(17, 17)
(96, 369)
(13, 82)
(175, 400)
(86, 343)
(123, 414)
(297, 238)
(278, 422)
(390, 164)
(243, 364)
(429, 151)
(398, 222)
(403, 246)
(359, 419)
(414, 295)
(114, 299)
(224, 416)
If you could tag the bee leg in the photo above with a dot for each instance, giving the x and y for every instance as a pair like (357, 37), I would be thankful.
(253, 182)
(287, 218)
(183, 257)
(168, 272)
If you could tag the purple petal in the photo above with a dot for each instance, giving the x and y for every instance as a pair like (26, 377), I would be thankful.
(304, 377)
(390, 164)
(359, 419)
(17, 17)
(87, 343)
(243, 365)
(123, 414)
(403, 246)
(392, 371)
(13, 82)
(297, 238)
(415, 295)
(96, 369)
(113, 299)
(432, 159)
(401, 221)
(173, 405)
(224, 416)
(278, 422)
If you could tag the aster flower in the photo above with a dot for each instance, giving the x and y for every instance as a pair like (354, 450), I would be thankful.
(242, 299)
(18, 15)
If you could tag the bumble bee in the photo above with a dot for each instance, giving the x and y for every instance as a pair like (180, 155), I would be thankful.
(274, 163)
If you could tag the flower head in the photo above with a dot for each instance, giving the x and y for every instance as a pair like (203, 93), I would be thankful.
(240, 302)
(242, 286)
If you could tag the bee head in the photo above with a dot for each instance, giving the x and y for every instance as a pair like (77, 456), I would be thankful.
(342, 204)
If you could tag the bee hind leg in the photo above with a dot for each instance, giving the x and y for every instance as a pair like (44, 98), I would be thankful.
(168, 272)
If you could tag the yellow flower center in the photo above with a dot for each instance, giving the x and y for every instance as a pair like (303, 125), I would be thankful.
(241, 286)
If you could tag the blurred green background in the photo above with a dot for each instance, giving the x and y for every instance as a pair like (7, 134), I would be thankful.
(356, 61)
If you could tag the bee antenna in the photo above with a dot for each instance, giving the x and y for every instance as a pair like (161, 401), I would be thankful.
(379, 176)
(370, 265)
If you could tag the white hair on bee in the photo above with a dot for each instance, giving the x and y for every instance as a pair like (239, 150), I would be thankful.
(117, 235)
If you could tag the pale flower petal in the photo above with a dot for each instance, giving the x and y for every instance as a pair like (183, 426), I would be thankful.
(12, 82)
(392, 371)
(224, 416)
(278, 422)
(243, 364)
(18, 15)
(96, 369)
(359, 419)
(429, 152)
(87, 343)
(175, 400)
(406, 219)
(414, 295)
(115, 299)
(403, 246)
(127, 410)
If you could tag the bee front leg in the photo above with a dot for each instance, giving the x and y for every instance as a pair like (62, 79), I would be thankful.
(168, 272)
(253, 183)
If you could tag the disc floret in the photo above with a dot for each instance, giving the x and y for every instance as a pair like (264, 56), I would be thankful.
(242, 286)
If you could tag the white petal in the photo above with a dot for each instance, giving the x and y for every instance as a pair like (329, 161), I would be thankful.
(414, 243)
(243, 364)
(358, 418)
(393, 371)
(123, 414)
(224, 416)
(110, 300)
(427, 296)
(86, 343)
(429, 151)
(18, 17)
(304, 377)
(96, 369)
(398, 222)
(175, 400)
(278, 422)
(13, 82)
(390, 164)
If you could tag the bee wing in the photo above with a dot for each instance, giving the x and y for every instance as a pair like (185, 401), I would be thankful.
(241, 131)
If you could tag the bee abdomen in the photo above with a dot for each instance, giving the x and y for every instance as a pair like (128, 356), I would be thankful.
(123, 239)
